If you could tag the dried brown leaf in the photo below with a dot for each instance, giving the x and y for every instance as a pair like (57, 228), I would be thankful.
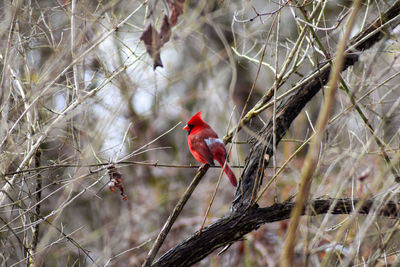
(153, 43)
(175, 9)
(154, 40)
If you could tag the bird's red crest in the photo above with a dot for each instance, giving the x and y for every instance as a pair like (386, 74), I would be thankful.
(196, 119)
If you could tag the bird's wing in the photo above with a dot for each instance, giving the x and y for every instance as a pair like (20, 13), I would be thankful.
(200, 150)
(216, 147)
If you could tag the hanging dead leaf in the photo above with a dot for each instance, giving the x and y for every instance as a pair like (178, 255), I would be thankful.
(165, 32)
(154, 40)
(153, 43)
(175, 9)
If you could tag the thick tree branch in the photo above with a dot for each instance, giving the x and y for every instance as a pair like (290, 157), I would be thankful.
(232, 228)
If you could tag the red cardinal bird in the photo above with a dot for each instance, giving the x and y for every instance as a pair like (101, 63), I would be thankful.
(205, 145)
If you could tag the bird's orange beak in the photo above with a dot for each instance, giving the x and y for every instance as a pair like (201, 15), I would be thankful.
(186, 128)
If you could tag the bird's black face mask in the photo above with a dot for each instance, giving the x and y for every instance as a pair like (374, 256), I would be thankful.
(190, 128)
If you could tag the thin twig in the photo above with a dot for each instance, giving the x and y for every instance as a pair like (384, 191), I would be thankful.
(126, 251)
(59, 75)
(123, 163)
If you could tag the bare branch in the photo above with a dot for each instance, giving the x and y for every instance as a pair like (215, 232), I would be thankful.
(232, 228)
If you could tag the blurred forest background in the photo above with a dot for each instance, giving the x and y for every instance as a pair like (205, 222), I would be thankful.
(79, 95)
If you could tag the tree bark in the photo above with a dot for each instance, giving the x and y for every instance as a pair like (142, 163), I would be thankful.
(232, 228)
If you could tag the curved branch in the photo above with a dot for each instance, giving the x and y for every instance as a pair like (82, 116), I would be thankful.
(232, 228)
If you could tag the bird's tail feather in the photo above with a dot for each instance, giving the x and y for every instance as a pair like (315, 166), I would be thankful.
(229, 172)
